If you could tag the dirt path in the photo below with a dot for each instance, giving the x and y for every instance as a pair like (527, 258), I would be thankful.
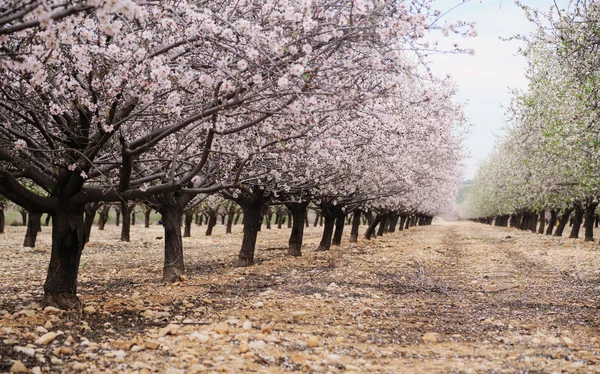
(452, 297)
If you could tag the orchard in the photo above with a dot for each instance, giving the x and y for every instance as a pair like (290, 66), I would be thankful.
(233, 186)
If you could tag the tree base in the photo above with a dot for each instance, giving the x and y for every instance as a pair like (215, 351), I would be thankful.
(589, 239)
(172, 274)
(61, 300)
(243, 262)
(322, 248)
(294, 252)
(353, 238)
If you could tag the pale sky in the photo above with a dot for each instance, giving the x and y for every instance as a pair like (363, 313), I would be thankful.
(485, 78)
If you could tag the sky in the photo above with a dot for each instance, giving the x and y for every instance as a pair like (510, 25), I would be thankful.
(485, 79)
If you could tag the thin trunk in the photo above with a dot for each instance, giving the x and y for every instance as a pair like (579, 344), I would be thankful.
(212, 222)
(189, 217)
(316, 219)
(382, 224)
(89, 215)
(23, 217)
(552, 222)
(268, 219)
(117, 217)
(321, 219)
(147, 213)
(407, 223)
(298, 210)
(355, 225)
(577, 218)
(33, 227)
(339, 230)
(2, 220)
(589, 222)
(289, 220)
(253, 214)
(126, 227)
(103, 217)
(172, 213)
(223, 219)
(237, 218)
(371, 229)
(229, 222)
(325, 243)
(306, 223)
(542, 220)
(133, 216)
(564, 219)
(279, 220)
(47, 221)
(68, 240)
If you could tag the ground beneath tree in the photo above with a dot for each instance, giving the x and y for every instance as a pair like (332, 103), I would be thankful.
(451, 297)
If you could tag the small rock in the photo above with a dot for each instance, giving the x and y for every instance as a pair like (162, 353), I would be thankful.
(52, 310)
(258, 304)
(552, 340)
(56, 361)
(267, 329)
(79, 366)
(222, 328)
(247, 325)
(244, 347)
(89, 309)
(48, 325)
(257, 344)
(152, 344)
(340, 339)
(312, 342)
(41, 329)
(66, 350)
(536, 341)
(36, 370)
(183, 277)
(333, 357)
(298, 358)
(568, 341)
(46, 338)
(173, 371)
(430, 337)
(202, 338)
(298, 315)
(26, 313)
(18, 367)
(170, 329)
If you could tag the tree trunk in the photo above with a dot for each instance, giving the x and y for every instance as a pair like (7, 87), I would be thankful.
(68, 240)
(552, 222)
(89, 215)
(223, 219)
(117, 217)
(542, 219)
(237, 218)
(147, 213)
(298, 210)
(589, 222)
(33, 227)
(289, 220)
(392, 223)
(562, 223)
(229, 222)
(321, 219)
(103, 217)
(268, 219)
(23, 216)
(2, 220)
(339, 229)
(172, 213)
(371, 229)
(306, 223)
(329, 219)
(253, 215)
(279, 220)
(48, 218)
(189, 217)
(402, 223)
(577, 218)
(126, 227)
(316, 219)
(355, 226)
(382, 224)
(212, 222)
(407, 223)
(133, 216)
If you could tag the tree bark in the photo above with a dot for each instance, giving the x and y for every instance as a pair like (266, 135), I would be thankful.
(577, 218)
(306, 223)
(133, 216)
(68, 240)
(329, 219)
(253, 208)
(117, 216)
(562, 223)
(382, 224)
(89, 215)
(126, 226)
(589, 221)
(237, 218)
(147, 213)
(371, 229)
(172, 213)
(321, 219)
(316, 219)
(355, 226)
(339, 229)
(33, 227)
(269, 218)
(2, 220)
(229, 222)
(211, 223)
(402, 223)
(103, 217)
(289, 220)
(23, 216)
(542, 220)
(189, 217)
(298, 210)
(407, 223)
(552, 222)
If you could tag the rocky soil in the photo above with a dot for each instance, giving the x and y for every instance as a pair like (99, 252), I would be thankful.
(452, 297)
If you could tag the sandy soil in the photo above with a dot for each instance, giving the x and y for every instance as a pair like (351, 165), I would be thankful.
(452, 297)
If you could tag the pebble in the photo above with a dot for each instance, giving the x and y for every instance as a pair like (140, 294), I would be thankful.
(56, 361)
(202, 338)
(298, 315)
(267, 329)
(298, 358)
(257, 344)
(170, 329)
(552, 340)
(430, 337)
(152, 344)
(247, 325)
(312, 342)
(244, 347)
(258, 304)
(79, 366)
(48, 325)
(568, 341)
(18, 367)
(89, 309)
(222, 328)
(46, 338)
(52, 310)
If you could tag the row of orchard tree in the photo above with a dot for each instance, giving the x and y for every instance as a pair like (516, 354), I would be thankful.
(546, 167)
(322, 102)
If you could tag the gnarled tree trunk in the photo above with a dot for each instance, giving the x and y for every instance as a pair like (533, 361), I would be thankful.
(542, 220)
(329, 215)
(89, 215)
(371, 229)
(147, 212)
(589, 221)
(126, 227)
(564, 219)
(339, 229)
(172, 213)
(355, 225)
(552, 222)
(577, 218)
(211, 223)
(253, 208)
(382, 224)
(187, 229)
(2, 220)
(103, 217)
(298, 210)
(34, 226)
